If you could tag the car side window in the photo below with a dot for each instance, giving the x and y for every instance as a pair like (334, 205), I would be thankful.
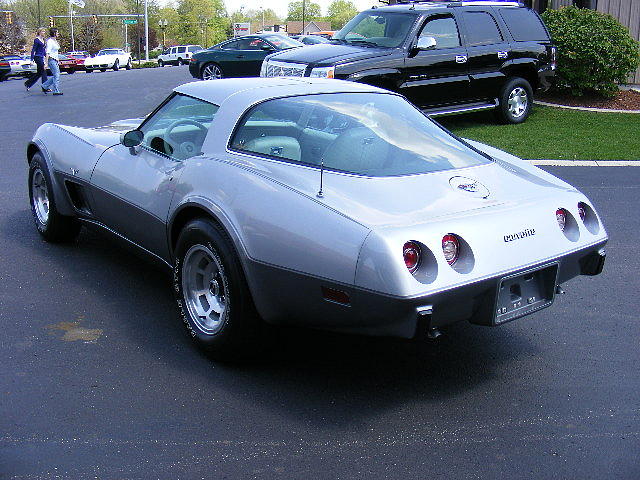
(179, 127)
(256, 44)
(444, 30)
(231, 45)
(481, 28)
(182, 49)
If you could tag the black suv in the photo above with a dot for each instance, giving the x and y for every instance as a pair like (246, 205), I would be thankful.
(446, 57)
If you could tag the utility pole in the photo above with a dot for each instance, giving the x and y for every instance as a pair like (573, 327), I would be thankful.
(303, 15)
(146, 31)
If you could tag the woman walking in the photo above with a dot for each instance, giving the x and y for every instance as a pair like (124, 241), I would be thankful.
(53, 83)
(38, 54)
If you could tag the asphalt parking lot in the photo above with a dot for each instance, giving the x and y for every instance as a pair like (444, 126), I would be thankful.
(98, 379)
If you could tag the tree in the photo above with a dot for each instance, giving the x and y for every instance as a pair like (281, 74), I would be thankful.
(204, 23)
(11, 38)
(340, 12)
(311, 11)
(88, 36)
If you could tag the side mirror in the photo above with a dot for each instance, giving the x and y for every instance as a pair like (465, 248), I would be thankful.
(426, 43)
(132, 138)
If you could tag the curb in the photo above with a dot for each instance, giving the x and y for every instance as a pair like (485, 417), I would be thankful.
(586, 163)
(584, 109)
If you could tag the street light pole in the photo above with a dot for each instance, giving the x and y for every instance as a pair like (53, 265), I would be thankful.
(163, 26)
(146, 31)
(71, 27)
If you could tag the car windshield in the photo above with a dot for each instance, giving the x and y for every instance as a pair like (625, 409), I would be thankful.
(372, 29)
(282, 42)
(370, 134)
(108, 52)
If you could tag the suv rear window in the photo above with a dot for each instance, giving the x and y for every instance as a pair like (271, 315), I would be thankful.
(481, 28)
(524, 25)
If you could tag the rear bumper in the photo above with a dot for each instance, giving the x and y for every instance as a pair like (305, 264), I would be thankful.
(284, 297)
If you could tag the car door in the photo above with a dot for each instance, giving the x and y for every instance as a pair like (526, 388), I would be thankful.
(246, 57)
(132, 188)
(437, 76)
(487, 49)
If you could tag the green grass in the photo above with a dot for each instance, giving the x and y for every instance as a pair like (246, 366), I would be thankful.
(556, 134)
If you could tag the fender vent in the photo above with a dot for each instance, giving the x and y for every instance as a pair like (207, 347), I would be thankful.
(77, 196)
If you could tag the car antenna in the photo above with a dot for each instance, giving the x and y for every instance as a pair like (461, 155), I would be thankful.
(320, 194)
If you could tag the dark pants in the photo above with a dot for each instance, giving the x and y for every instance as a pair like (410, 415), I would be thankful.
(42, 72)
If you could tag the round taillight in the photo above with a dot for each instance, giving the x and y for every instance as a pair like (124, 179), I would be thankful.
(561, 217)
(411, 254)
(450, 248)
(582, 211)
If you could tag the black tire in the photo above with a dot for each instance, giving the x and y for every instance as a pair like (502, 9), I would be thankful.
(103, 69)
(116, 65)
(53, 226)
(180, 62)
(515, 101)
(88, 70)
(128, 67)
(71, 72)
(234, 332)
(160, 63)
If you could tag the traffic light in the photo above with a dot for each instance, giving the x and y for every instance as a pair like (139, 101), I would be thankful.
(94, 18)
(51, 25)
(8, 17)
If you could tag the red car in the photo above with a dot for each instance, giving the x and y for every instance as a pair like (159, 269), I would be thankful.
(71, 63)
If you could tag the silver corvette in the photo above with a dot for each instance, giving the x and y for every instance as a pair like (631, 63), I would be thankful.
(323, 203)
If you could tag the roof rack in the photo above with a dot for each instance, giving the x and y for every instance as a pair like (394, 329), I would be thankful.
(450, 3)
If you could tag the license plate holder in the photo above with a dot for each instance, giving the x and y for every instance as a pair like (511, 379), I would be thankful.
(522, 293)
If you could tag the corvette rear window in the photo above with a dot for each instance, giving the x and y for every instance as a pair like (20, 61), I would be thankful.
(368, 134)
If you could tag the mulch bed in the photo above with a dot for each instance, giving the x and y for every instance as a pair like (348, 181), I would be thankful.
(624, 100)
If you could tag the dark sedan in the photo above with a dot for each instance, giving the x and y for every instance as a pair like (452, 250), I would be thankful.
(238, 57)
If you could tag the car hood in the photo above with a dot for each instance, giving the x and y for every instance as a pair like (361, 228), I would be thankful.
(101, 59)
(330, 54)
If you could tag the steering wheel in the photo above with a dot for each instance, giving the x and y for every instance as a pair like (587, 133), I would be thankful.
(187, 149)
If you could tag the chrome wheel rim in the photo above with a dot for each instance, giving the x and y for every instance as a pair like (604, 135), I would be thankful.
(211, 72)
(518, 101)
(40, 196)
(205, 289)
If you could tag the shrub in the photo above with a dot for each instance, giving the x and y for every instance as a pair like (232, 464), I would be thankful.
(594, 50)
(145, 65)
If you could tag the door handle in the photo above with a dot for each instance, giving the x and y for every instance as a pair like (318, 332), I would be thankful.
(503, 55)
(461, 58)
(239, 56)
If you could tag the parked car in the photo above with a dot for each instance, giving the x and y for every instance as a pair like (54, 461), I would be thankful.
(446, 57)
(70, 64)
(18, 65)
(329, 204)
(324, 33)
(238, 57)
(114, 58)
(310, 39)
(5, 69)
(178, 55)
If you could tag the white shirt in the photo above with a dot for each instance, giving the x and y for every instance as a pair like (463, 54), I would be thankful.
(52, 48)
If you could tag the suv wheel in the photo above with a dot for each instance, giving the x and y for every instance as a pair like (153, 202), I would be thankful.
(515, 101)
(160, 63)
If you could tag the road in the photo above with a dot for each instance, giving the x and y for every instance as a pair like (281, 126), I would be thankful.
(98, 379)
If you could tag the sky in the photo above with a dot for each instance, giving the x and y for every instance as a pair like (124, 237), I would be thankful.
(280, 6)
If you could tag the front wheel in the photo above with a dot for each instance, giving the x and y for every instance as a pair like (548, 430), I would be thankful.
(116, 65)
(515, 101)
(212, 294)
(212, 71)
(53, 226)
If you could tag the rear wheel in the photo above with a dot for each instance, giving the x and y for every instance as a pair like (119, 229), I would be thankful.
(50, 224)
(515, 101)
(116, 65)
(103, 69)
(212, 71)
(180, 62)
(212, 293)
(128, 67)
(71, 72)
(160, 63)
